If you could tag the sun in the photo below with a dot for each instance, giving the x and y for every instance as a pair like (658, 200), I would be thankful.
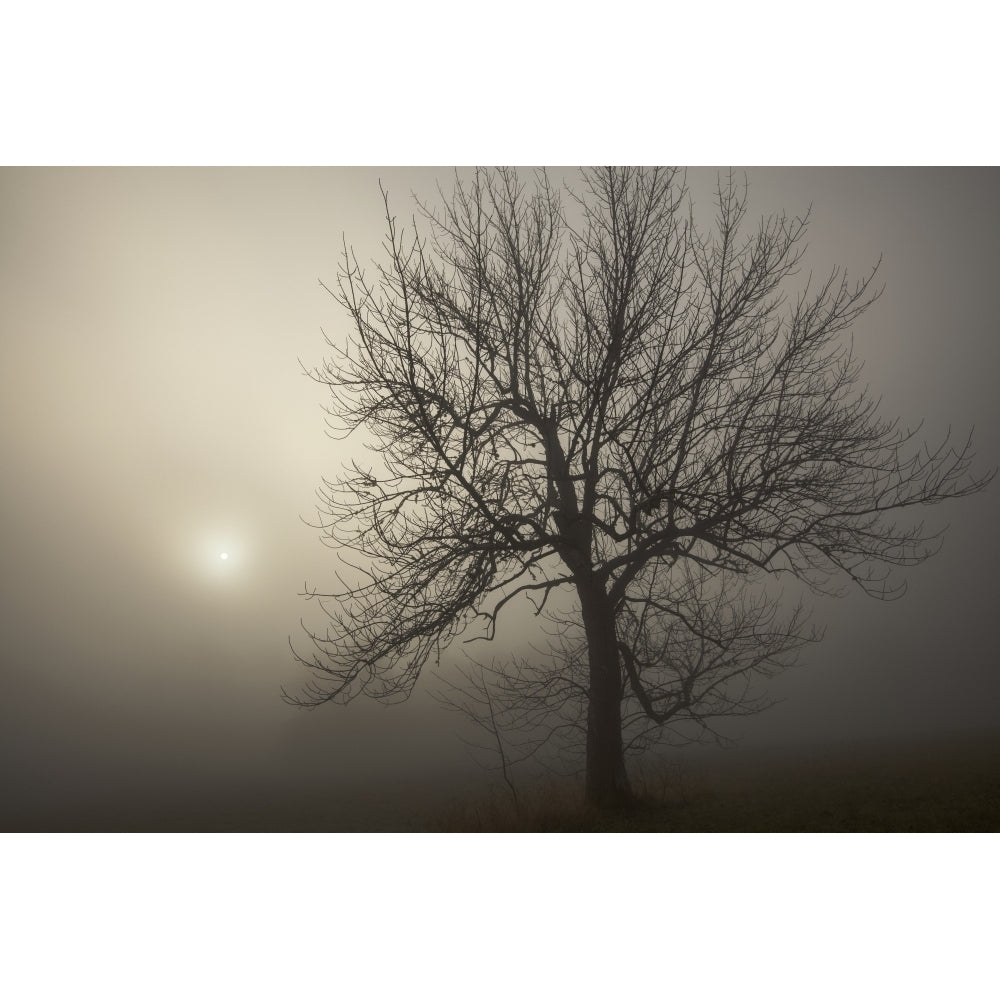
(223, 555)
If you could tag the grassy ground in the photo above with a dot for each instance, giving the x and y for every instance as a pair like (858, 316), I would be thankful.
(941, 785)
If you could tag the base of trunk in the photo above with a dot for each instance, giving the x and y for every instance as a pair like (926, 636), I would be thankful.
(609, 790)
(607, 782)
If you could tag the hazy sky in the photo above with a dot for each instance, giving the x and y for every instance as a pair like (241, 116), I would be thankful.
(154, 415)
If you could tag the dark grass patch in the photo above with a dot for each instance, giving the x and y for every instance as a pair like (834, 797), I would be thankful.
(918, 786)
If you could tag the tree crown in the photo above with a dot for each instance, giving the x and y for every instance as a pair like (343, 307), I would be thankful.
(592, 395)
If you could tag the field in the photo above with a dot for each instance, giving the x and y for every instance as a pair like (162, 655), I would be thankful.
(951, 786)
(936, 785)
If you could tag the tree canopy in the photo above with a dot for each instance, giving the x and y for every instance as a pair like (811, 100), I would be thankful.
(583, 391)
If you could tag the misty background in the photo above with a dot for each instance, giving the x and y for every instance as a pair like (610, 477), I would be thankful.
(154, 416)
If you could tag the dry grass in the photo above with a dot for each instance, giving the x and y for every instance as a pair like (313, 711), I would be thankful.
(940, 786)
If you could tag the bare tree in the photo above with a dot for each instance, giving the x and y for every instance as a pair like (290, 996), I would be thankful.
(624, 408)
(692, 645)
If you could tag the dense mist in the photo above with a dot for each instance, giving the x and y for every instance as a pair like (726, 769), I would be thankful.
(155, 416)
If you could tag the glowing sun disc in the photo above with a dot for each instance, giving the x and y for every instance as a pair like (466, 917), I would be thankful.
(223, 555)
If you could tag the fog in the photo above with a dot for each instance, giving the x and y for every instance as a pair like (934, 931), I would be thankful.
(155, 415)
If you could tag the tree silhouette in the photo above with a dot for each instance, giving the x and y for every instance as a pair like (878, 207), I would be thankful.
(606, 402)
(691, 650)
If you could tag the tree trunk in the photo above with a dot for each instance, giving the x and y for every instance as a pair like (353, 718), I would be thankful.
(606, 780)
